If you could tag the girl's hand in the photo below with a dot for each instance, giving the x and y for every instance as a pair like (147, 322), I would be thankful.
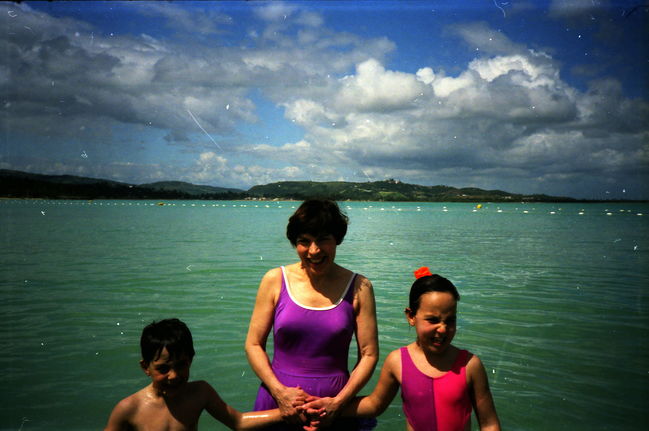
(288, 401)
(314, 413)
(313, 425)
(324, 410)
(313, 406)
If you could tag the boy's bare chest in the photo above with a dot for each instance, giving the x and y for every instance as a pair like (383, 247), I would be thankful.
(181, 416)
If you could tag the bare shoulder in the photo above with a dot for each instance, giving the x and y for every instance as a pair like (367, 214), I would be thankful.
(131, 403)
(364, 295)
(125, 410)
(270, 283)
(475, 370)
(391, 368)
(272, 275)
(473, 362)
(361, 280)
(201, 389)
(363, 286)
(393, 362)
(198, 386)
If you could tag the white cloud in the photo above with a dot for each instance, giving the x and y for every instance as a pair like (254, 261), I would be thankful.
(564, 8)
(445, 85)
(275, 11)
(375, 89)
(506, 113)
(310, 19)
(481, 37)
(535, 74)
(309, 113)
(204, 23)
(426, 75)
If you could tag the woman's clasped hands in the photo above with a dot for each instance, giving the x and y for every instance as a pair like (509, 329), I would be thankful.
(293, 407)
(313, 413)
(318, 412)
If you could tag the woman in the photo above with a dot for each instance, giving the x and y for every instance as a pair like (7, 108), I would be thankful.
(314, 307)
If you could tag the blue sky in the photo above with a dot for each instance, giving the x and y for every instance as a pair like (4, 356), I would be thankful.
(523, 96)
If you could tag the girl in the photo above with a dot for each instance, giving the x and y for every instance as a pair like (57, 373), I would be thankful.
(440, 384)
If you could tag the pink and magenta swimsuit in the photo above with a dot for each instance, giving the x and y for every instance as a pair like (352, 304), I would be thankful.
(436, 404)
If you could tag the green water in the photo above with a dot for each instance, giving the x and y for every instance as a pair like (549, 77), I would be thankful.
(554, 300)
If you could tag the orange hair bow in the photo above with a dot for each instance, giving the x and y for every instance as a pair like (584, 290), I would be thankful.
(422, 272)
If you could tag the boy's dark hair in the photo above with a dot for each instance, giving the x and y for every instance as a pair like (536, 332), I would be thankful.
(317, 217)
(430, 283)
(170, 333)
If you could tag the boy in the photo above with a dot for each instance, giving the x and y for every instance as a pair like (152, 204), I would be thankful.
(171, 402)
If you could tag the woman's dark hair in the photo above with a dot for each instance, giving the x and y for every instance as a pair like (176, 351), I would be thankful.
(430, 283)
(317, 217)
(170, 333)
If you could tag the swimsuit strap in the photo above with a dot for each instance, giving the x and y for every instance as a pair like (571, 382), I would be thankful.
(349, 292)
(460, 360)
(347, 296)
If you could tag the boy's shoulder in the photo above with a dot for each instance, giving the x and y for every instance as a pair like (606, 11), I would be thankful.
(199, 386)
(126, 408)
(199, 390)
(135, 399)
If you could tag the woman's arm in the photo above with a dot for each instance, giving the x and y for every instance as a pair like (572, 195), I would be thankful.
(261, 323)
(368, 349)
(483, 403)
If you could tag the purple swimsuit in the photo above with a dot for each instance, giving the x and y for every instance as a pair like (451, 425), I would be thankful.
(311, 346)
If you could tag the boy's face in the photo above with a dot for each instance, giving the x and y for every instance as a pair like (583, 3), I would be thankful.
(168, 375)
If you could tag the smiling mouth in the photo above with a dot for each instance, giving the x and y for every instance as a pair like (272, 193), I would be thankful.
(174, 385)
(438, 341)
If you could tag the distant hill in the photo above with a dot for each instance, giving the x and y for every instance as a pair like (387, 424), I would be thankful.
(189, 188)
(390, 190)
(16, 184)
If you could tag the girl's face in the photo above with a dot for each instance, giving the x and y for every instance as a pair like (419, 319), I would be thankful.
(435, 321)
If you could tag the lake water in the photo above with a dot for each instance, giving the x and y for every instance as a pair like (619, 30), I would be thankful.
(554, 300)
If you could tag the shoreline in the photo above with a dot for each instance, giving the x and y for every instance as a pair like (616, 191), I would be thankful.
(468, 201)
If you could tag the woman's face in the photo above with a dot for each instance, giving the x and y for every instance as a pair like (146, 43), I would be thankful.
(317, 254)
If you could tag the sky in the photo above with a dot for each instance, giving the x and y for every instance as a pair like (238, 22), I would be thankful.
(523, 96)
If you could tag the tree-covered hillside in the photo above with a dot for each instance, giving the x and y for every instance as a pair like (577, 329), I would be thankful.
(388, 190)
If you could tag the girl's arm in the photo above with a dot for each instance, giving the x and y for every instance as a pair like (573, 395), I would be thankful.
(371, 405)
(483, 403)
(368, 350)
(384, 392)
(261, 323)
(231, 417)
